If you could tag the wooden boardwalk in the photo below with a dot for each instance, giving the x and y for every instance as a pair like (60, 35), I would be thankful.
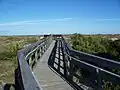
(47, 78)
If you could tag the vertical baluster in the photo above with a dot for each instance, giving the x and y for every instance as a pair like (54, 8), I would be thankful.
(68, 65)
(40, 51)
(29, 61)
(36, 56)
(48, 43)
(71, 70)
(43, 47)
(99, 79)
(33, 60)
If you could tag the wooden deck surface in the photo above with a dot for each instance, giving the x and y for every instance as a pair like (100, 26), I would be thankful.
(47, 78)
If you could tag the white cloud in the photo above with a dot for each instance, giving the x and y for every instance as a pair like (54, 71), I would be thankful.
(68, 18)
(110, 19)
(33, 22)
(16, 23)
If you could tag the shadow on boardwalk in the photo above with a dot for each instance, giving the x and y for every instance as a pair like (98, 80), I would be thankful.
(8, 86)
(56, 63)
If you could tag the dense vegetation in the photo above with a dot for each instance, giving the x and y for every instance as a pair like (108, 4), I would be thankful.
(9, 46)
(100, 46)
(97, 45)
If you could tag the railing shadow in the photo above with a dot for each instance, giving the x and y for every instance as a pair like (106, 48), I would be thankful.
(56, 63)
(56, 59)
(8, 86)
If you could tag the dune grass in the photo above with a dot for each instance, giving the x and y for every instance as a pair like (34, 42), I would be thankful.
(9, 45)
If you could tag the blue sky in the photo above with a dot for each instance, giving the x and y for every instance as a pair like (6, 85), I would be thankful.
(18, 17)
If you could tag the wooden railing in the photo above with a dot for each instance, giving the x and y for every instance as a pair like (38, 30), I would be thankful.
(80, 70)
(89, 71)
(27, 59)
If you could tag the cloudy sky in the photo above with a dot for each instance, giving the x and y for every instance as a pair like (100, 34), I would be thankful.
(23, 17)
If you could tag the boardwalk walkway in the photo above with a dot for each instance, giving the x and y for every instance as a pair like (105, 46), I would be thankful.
(47, 78)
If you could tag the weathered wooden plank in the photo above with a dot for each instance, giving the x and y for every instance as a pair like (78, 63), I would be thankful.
(47, 78)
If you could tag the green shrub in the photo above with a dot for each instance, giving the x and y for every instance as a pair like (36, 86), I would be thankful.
(14, 46)
(99, 46)
(11, 46)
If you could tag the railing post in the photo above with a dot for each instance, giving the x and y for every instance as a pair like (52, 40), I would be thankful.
(18, 79)
(99, 79)
(45, 47)
(29, 61)
(40, 51)
(71, 70)
(65, 63)
(36, 56)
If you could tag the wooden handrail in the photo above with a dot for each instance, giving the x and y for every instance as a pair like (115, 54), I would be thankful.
(27, 58)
